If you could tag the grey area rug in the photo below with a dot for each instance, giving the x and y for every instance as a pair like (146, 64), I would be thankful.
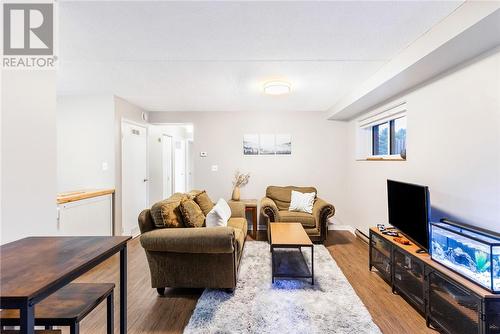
(287, 306)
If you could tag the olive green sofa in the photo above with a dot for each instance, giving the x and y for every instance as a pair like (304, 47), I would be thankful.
(274, 206)
(195, 257)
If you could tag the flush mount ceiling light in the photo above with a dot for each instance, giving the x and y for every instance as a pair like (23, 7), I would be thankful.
(277, 88)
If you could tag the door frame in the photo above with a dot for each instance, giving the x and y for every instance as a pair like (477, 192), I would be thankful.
(134, 230)
(189, 164)
(172, 165)
(174, 185)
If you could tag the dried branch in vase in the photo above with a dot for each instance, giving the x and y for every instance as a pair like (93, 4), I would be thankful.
(240, 179)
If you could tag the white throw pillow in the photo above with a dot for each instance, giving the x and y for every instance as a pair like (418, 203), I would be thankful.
(219, 215)
(302, 202)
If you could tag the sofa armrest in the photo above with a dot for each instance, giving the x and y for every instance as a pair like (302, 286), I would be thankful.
(269, 209)
(146, 222)
(237, 209)
(190, 240)
(322, 211)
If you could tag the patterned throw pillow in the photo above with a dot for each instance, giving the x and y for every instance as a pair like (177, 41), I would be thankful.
(193, 193)
(192, 214)
(302, 202)
(167, 212)
(204, 202)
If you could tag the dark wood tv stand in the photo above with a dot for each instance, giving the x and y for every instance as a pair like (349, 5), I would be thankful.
(449, 302)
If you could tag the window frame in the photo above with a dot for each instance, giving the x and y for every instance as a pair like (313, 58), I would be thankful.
(375, 135)
(393, 111)
(391, 140)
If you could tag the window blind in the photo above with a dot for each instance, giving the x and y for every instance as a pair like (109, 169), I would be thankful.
(382, 116)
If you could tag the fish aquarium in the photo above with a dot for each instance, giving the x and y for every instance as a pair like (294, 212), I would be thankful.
(473, 253)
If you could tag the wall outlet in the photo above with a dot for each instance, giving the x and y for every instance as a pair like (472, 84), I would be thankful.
(105, 166)
(203, 154)
(215, 168)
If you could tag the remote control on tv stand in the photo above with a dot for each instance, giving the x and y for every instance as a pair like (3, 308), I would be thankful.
(391, 233)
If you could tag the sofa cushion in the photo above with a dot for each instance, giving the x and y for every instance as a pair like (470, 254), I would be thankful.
(192, 215)
(204, 202)
(282, 195)
(167, 213)
(306, 219)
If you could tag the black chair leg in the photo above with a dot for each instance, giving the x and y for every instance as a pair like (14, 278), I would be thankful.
(111, 312)
(74, 328)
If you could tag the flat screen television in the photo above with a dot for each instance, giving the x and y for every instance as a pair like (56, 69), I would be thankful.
(409, 211)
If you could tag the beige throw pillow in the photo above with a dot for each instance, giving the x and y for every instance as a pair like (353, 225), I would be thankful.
(167, 212)
(192, 214)
(204, 202)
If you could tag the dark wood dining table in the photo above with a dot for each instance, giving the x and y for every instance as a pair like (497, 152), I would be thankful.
(33, 268)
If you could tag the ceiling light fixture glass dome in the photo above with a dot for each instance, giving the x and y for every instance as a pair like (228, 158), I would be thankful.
(277, 88)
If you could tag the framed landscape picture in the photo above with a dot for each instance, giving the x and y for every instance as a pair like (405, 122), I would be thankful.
(251, 144)
(267, 144)
(283, 144)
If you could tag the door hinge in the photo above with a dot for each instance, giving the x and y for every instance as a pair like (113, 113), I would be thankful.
(58, 217)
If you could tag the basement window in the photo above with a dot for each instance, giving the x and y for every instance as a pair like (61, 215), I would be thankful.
(382, 134)
(389, 138)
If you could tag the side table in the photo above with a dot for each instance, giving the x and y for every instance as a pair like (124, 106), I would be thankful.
(250, 206)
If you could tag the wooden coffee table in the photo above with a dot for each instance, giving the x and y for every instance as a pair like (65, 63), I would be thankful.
(286, 264)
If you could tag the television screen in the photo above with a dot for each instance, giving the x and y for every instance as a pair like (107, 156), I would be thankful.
(409, 210)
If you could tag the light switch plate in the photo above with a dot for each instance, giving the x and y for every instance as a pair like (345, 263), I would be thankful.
(215, 168)
(203, 154)
(104, 166)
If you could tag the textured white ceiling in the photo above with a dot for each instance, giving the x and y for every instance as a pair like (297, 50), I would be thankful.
(215, 56)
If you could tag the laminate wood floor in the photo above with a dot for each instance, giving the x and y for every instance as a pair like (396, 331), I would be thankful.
(148, 313)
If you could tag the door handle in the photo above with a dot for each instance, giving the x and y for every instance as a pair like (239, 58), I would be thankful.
(145, 180)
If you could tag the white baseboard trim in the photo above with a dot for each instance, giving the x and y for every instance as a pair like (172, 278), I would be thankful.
(342, 228)
(330, 228)
(133, 232)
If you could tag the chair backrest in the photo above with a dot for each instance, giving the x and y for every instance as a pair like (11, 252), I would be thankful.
(282, 195)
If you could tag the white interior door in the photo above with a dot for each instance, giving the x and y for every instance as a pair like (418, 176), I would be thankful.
(168, 166)
(190, 165)
(134, 175)
(180, 166)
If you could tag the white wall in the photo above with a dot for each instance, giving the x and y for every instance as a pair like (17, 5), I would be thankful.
(85, 141)
(89, 133)
(28, 138)
(124, 110)
(453, 146)
(318, 152)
